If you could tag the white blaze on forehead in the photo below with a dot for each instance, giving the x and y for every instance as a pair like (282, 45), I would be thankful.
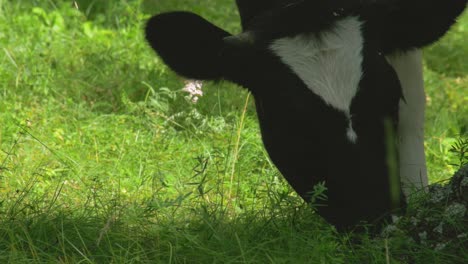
(330, 65)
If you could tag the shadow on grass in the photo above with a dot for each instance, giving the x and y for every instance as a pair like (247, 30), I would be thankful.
(287, 235)
(61, 237)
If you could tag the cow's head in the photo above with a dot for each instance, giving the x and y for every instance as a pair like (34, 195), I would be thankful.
(306, 124)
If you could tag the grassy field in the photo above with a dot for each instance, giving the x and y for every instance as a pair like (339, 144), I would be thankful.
(104, 159)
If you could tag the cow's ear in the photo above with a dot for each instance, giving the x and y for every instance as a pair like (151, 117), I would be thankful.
(188, 44)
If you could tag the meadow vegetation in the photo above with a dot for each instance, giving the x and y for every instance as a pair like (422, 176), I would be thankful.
(104, 159)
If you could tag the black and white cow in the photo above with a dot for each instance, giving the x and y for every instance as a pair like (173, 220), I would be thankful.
(327, 98)
(396, 22)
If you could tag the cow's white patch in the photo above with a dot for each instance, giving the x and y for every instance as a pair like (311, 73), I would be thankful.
(330, 65)
(351, 134)
(413, 172)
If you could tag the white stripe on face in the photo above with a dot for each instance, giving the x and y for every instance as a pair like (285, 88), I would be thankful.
(330, 65)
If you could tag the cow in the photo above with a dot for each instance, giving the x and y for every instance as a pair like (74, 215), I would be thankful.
(337, 86)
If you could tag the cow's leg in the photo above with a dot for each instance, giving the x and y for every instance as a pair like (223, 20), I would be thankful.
(413, 170)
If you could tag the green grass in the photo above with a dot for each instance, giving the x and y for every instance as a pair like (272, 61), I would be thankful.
(104, 160)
